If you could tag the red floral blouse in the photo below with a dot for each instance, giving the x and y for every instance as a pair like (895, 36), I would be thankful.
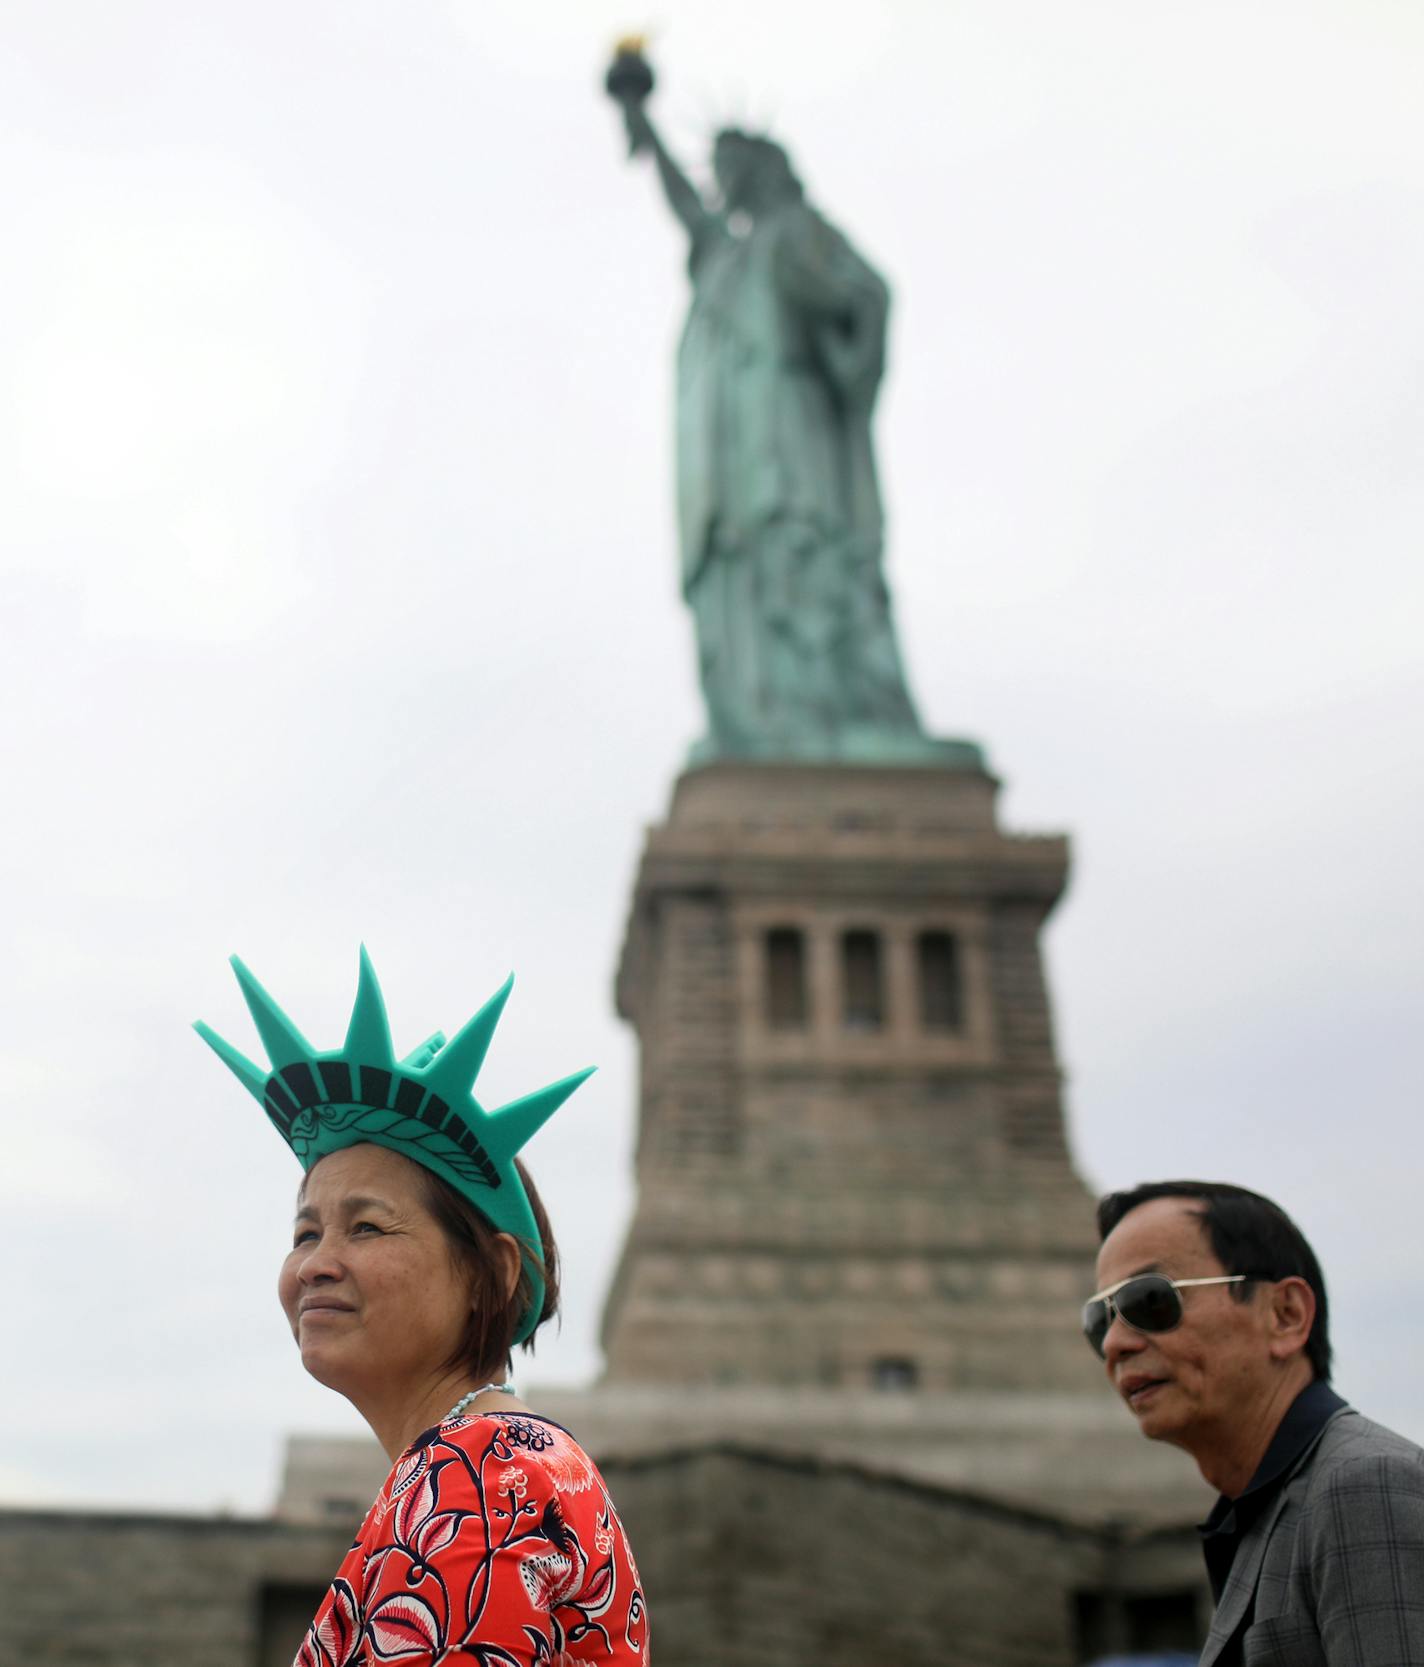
(492, 1544)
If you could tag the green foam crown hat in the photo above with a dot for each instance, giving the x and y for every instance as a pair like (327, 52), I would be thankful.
(422, 1106)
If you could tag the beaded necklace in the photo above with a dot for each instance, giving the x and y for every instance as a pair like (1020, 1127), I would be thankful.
(506, 1388)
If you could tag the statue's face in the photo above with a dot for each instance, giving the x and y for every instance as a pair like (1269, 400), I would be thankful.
(733, 164)
(752, 174)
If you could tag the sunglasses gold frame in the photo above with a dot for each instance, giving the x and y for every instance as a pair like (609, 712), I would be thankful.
(1115, 1313)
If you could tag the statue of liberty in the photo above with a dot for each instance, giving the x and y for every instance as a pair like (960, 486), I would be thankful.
(780, 520)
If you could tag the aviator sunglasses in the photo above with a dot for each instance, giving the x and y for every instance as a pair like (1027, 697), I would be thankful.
(1146, 1302)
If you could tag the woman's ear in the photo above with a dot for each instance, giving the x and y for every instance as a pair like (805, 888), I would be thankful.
(511, 1263)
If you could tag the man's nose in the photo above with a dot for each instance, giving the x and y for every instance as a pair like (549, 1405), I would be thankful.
(1120, 1342)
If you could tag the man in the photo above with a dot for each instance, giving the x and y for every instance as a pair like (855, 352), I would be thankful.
(1211, 1319)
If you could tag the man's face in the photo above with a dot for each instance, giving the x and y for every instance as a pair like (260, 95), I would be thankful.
(1188, 1386)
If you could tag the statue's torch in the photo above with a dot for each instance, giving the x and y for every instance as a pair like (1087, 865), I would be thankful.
(629, 82)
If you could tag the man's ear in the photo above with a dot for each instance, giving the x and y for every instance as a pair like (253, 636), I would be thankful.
(511, 1262)
(1292, 1309)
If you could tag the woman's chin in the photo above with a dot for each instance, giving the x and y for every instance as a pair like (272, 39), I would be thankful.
(323, 1363)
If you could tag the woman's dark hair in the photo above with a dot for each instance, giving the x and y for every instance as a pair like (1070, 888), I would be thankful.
(494, 1319)
(1248, 1234)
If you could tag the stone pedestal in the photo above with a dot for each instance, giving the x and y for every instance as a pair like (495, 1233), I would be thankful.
(848, 1416)
(852, 1166)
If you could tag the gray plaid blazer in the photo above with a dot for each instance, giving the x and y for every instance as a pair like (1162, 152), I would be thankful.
(1332, 1575)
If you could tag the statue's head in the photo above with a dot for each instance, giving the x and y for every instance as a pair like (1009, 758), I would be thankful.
(753, 172)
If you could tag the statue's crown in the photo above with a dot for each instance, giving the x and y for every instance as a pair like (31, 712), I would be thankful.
(421, 1106)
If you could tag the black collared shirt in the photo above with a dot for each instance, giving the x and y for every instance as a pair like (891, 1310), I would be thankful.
(1222, 1531)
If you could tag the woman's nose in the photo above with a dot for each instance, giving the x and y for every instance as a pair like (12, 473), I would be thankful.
(320, 1262)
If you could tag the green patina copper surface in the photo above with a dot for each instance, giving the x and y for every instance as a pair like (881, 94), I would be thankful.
(780, 519)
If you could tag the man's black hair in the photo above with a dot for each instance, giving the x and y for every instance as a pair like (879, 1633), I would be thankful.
(1248, 1234)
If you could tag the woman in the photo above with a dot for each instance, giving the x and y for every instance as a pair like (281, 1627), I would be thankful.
(421, 1255)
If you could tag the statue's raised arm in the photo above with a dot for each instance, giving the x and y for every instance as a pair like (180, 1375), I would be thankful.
(629, 82)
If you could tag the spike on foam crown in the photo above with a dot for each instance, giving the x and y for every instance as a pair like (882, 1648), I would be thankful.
(422, 1106)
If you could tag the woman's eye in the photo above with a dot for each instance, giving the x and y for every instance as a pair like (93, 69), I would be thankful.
(365, 1227)
(306, 1235)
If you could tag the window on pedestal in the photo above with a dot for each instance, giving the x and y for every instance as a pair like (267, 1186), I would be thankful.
(1138, 1626)
(786, 978)
(892, 1372)
(283, 1614)
(863, 980)
(941, 994)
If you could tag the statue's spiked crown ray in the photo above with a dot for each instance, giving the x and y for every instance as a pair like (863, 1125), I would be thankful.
(422, 1106)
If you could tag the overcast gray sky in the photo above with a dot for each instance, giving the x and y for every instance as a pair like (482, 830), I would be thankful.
(339, 597)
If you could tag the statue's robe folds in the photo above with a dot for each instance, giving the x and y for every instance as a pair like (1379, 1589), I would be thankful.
(780, 516)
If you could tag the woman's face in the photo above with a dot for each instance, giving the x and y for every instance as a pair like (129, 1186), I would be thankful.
(370, 1289)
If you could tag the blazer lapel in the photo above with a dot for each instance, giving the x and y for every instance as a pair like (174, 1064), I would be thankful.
(1236, 1600)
